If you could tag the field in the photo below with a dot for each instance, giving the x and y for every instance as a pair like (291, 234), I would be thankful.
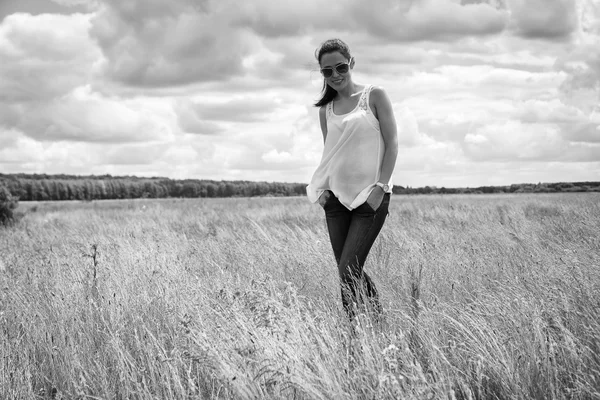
(485, 297)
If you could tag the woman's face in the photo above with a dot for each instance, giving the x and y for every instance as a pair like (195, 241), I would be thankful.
(329, 62)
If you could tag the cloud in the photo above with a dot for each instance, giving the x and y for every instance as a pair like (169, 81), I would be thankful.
(589, 15)
(275, 18)
(215, 114)
(25, 154)
(543, 18)
(408, 126)
(428, 19)
(34, 48)
(276, 157)
(290, 148)
(190, 122)
(153, 44)
(245, 108)
(82, 115)
(157, 43)
(134, 154)
(581, 63)
(581, 88)
(515, 141)
(388, 19)
(9, 139)
(549, 111)
(37, 7)
(88, 4)
(48, 69)
(581, 133)
(451, 127)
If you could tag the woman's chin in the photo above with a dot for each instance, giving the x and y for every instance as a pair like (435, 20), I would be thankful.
(338, 85)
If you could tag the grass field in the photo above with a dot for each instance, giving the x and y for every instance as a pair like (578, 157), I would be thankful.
(485, 297)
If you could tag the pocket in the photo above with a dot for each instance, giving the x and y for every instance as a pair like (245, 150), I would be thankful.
(371, 207)
(324, 198)
(368, 207)
(384, 201)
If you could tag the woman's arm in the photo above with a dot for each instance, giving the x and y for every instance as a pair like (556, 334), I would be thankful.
(382, 108)
(323, 121)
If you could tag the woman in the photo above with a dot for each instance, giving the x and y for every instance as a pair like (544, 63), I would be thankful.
(353, 181)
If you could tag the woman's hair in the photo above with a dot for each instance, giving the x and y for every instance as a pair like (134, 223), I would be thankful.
(329, 46)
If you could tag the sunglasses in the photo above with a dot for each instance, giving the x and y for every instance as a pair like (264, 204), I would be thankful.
(340, 69)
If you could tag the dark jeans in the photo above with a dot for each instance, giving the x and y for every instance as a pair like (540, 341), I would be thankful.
(352, 233)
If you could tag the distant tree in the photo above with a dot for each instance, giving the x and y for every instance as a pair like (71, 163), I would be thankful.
(211, 190)
(7, 204)
(189, 189)
(221, 189)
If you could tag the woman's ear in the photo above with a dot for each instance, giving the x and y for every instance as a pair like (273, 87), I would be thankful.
(352, 63)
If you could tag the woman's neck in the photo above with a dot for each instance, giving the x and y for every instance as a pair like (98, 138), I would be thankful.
(348, 90)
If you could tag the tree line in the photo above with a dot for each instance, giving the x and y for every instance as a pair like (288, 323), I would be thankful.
(43, 187)
(556, 187)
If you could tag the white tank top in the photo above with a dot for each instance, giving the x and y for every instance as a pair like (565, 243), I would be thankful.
(351, 161)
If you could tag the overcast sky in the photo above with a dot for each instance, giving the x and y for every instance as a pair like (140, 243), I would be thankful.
(486, 92)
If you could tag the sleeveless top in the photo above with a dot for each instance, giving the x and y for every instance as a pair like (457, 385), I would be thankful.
(351, 161)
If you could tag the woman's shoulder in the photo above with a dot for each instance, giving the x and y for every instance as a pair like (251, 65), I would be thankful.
(376, 90)
(377, 94)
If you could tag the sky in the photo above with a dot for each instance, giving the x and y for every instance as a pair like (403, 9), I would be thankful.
(485, 92)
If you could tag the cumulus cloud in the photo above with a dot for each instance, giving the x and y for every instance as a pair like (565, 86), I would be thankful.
(190, 121)
(388, 19)
(543, 18)
(408, 126)
(581, 63)
(239, 109)
(581, 88)
(49, 66)
(515, 141)
(174, 43)
(134, 154)
(428, 19)
(29, 155)
(34, 48)
(82, 115)
(89, 4)
(212, 114)
(37, 7)
(532, 111)
(274, 156)
(157, 43)
(275, 18)
(582, 132)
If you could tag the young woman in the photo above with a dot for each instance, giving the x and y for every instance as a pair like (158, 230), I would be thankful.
(353, 181)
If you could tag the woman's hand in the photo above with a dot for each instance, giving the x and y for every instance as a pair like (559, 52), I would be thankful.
(375, 198)
(324, 197)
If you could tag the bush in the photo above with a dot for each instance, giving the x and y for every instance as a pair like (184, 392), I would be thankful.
(7, 204)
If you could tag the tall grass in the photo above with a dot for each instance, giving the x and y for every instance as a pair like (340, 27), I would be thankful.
(485, 297)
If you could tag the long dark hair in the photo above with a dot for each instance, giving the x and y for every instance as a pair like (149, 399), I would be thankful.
(329, 46)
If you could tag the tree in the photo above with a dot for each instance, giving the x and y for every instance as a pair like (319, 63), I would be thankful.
(211, 190)
(7, 204)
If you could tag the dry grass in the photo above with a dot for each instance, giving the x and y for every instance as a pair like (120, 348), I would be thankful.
(486, 297)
